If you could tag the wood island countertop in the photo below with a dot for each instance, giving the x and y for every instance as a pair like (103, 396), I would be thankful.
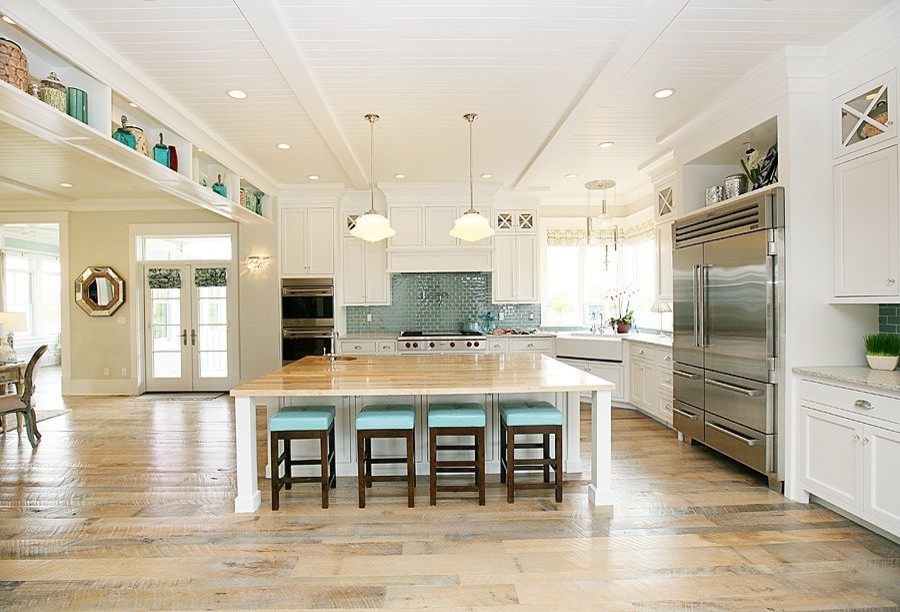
(421, 375)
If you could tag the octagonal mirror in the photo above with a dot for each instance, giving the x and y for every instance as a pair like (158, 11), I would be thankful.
(99, 291)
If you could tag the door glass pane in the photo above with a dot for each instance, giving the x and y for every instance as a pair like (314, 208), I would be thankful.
(183, 248)
(166, 341)
(865, 116)
(212, 321)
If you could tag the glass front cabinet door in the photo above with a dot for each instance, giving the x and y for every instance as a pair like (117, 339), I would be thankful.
(865, 116)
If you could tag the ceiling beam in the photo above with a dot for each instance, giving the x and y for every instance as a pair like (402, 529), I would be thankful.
(266, 22)
(651, 22)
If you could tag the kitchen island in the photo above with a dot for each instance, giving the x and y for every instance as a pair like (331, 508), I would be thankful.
(350, 383)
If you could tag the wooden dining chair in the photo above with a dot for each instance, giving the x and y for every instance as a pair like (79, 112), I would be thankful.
(22, 403)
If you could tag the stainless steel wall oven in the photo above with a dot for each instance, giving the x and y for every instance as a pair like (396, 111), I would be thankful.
(307, 317)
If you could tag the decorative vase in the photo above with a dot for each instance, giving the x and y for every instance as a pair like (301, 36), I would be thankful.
(714, 194)
(77, 104)
(161, 152)
(622, 328)
(13, 64)
(257, 202)
(53, 92)
(735, 185)
(140, 140)
(124, 135)
(882, 362)
(173, 158)
(220, 188)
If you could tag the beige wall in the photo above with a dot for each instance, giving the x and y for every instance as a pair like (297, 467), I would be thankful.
(102, 239)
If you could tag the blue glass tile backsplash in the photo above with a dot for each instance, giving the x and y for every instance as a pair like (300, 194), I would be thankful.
(439, 302)
(889, 318)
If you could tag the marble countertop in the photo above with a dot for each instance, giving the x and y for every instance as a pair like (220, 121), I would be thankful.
(860, 376)
(393, 375)
(650, 339)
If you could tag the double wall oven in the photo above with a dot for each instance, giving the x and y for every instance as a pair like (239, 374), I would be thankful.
(728, 313)
(307, 317)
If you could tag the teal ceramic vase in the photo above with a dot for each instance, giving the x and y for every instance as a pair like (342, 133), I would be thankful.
(77, 104)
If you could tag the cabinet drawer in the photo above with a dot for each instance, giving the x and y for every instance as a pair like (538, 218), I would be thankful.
(359, 347)
(497, 345)
(687, 383)
(531, 345)
(387, 346)
(748, 446)
(665, 408)
(688, 420)
(666, 382)
(850, 402)
(664, 358)
(641, 351)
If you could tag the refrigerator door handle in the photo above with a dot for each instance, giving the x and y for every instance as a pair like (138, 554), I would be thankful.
(735, 388)
(695, 291)
(703, 282)
(688, 375)
(737, 436)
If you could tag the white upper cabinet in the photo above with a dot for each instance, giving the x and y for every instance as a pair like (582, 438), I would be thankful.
(365, 278)
(439, 221)
(519, 221)
(664, 261)
(409, 222)
(864, 116)
(307, 237)
(516, 268)
(665, 202)
(866, 232)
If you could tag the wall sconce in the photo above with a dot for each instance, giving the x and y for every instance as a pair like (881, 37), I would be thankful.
(255, 263)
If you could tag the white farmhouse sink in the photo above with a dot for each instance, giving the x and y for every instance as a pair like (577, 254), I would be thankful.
(585, 345)
(595, 336)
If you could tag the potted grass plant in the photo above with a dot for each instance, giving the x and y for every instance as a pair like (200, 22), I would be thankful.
(883, 351)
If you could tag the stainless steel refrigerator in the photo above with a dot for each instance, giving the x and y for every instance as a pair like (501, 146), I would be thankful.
(728, 336)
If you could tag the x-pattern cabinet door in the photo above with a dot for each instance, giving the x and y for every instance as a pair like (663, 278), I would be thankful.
(865, 116)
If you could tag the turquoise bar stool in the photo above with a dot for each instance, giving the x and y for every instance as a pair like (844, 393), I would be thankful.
(522, 417)
(302, 423)
(390, 421)
(456, 420)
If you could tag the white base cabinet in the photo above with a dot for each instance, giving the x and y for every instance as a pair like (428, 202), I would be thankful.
(850, 451)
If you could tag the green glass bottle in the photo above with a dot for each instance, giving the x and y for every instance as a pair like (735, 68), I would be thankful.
(124, 136)
(220, 188)
(161, 152)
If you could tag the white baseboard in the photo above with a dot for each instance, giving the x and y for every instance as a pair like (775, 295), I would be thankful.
(120, 386)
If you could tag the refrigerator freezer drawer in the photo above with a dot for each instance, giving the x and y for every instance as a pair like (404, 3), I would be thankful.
(750, 403)
(753, 449)
(687, 383)
(688, 420)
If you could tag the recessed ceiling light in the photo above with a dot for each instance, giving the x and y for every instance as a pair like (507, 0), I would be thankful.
(283, 146)
(486, 176)
(606, 144)
(237, 94)
(66, 185)
(8, 20)
(571, 175)
(399, 175)
(313, 177)
(199, 150)
(132, 105)
(663, 93)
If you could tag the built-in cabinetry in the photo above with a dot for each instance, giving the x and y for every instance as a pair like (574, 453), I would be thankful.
(664, 214)
(516, 257)
(866, 205)
(850, 451)
(544, 345)
(364, 274)
(307, 237)
(650, 379)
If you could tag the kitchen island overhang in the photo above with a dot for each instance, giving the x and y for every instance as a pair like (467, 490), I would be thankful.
(351, 382)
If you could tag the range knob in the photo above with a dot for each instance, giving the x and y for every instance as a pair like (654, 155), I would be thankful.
(452, 344)
(476, 344)
(469, 344)
(415, 345)
(408, 345)
(431, 344)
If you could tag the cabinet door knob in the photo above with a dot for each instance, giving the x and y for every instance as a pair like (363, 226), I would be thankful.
(865, 440)
(856, 437)
(891, 281)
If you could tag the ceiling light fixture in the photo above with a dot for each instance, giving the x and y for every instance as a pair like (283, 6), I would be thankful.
(606, 144)
(313, 177)
(372, 226)
(8, 20)
(66, 185)
(571, 175)
(283, 146)
(486, 176)
(132, 105)
(237, 94)
(471, 226)
(399, 175)
(604, 220)
(664, 93)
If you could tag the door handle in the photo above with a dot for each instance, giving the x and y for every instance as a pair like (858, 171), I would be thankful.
(735, 388)
(703, 275)
(687, 375)
(184, 336)
(687, 415)
(863, 404)
(695, 293)
(193, 337)
(728, 432)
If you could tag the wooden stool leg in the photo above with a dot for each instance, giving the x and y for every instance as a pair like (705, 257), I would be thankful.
(288, 473)
(559, 464)
(510, 464)
(432, 459)
(333, 449)
(273, 462)
(546, 456)
(323, 448)
(368, 462)
(502, 452)
(479, 464)
(411, 468)
(361, 467)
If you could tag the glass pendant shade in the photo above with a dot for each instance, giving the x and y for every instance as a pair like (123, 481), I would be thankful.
(472, 227)
(605, 221)
(372, 227)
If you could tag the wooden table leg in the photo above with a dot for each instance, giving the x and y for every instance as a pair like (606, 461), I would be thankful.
(248, 497)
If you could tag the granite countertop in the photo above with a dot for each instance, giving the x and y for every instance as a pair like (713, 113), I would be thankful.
(649, 339)
(860, 376)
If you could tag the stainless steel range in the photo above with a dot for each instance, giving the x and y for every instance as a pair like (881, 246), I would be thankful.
(441, 342)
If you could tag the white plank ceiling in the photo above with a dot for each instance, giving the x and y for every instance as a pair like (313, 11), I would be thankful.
(521, 64)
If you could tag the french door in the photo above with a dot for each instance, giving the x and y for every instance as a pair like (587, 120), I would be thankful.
(190, 331)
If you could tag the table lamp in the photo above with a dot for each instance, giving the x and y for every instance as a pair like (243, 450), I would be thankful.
(661, 307)
(10, 322)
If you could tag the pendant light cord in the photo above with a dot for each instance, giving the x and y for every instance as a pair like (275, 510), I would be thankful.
(471, 117)
(372, 160)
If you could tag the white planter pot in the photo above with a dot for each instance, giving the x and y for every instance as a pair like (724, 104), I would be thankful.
(878, 362)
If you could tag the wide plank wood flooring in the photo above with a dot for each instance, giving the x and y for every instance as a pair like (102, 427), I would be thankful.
(128, 505)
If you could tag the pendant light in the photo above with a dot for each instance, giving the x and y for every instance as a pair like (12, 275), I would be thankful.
(604, 220)
(372, 226)
(471, 226)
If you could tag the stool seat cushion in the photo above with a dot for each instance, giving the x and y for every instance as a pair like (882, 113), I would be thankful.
(529, 412)
(456, 415)
(391, 416)
(302, 418)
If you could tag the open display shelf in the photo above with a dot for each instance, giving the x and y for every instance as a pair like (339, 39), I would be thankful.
(136, 174)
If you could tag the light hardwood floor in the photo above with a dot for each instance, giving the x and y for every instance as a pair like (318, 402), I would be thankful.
(128, 504)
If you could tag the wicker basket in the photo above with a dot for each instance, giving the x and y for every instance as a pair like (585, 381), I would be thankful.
(13, 64)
